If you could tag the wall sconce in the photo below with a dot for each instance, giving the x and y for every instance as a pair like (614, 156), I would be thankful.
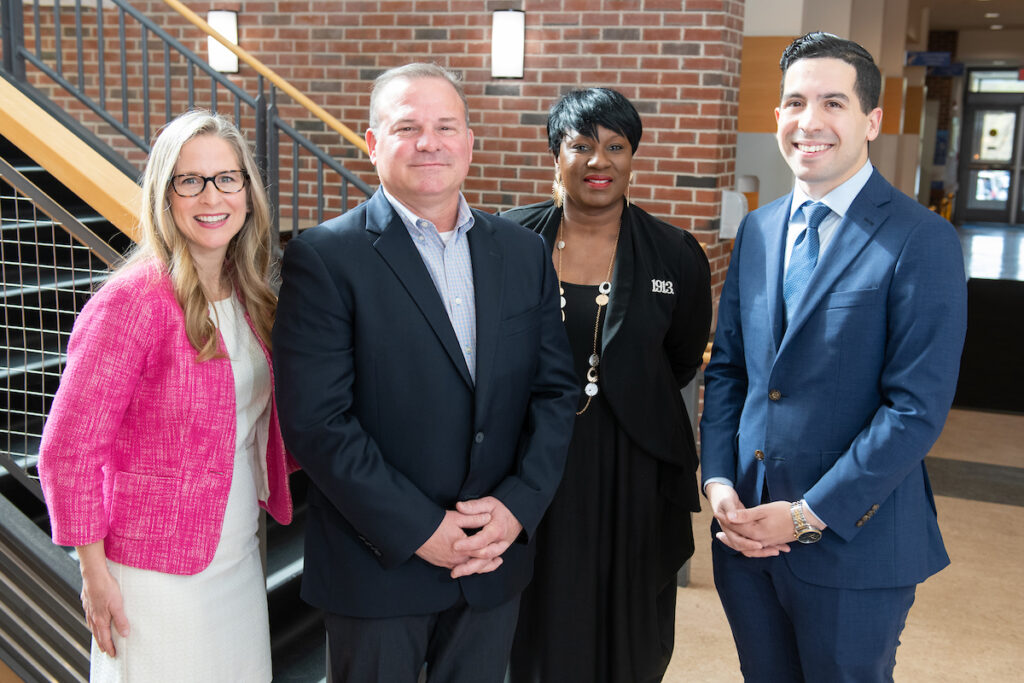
(508, 38)
(224, 22)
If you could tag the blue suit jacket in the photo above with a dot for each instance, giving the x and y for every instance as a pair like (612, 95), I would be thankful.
(841, 406)
(377, 405)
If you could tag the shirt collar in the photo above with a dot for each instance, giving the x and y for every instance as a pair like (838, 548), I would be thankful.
(839, 199)
(419, 226)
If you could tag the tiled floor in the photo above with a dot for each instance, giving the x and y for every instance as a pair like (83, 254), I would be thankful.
(993, 252)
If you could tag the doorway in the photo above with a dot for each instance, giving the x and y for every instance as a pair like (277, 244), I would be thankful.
(991, 156)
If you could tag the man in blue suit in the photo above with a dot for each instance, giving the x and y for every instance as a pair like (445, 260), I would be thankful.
(425, 384)
(835, 360)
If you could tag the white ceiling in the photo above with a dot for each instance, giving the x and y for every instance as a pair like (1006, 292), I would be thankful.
(955, 15)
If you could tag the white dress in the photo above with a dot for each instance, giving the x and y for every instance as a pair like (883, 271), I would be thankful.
(211, 626)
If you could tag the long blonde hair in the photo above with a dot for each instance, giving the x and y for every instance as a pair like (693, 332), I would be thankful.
(248, 257)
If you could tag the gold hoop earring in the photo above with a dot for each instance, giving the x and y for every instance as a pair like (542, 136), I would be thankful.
(629, 184)
(557, 189)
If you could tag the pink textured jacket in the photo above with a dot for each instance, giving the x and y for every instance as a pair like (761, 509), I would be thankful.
(139, 444)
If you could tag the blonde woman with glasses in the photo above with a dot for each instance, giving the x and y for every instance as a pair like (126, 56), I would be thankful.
(162, 443)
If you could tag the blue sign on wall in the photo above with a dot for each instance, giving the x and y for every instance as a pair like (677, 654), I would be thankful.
(929, 58)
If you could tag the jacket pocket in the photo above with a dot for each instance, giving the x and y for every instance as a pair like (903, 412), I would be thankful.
(521, 321)
(852, 297)
(144, 506)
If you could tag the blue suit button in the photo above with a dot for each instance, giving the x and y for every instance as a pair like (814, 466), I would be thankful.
(775, 394)
(479, 438)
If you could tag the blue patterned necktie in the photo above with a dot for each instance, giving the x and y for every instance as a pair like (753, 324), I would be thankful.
(805, 255)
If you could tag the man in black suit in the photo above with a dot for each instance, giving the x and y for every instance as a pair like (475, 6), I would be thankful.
(425, 385)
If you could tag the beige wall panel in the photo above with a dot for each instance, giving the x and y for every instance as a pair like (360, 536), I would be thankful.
(759, 82)
(892, 106)
(773, 17)
(982, 46)
(913, 107)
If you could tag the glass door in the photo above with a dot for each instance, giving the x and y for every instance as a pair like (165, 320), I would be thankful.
(990, 178)
(990, 172)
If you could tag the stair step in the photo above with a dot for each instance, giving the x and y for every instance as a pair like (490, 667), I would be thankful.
(86, 219)
(32, 361)
(23, 447)
(26, 168)
(13, 155)
(12, 489)
(30, 289)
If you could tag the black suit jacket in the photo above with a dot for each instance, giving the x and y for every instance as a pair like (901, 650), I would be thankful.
(654, 335)
(377, 405)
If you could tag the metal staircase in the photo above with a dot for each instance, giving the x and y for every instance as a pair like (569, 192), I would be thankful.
(54, 252)
(47, 274)
(48, 271)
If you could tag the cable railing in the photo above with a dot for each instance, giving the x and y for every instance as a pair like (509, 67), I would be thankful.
(50, 263)
(122, 75)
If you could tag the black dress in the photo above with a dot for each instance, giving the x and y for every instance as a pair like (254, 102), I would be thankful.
(596, 609)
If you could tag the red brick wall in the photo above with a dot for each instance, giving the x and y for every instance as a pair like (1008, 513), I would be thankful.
(678, 61)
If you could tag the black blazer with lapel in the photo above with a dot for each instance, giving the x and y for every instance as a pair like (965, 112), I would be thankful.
(653, 339)
(377, 405)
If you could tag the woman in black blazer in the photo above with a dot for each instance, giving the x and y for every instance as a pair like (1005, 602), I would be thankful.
(636, 302)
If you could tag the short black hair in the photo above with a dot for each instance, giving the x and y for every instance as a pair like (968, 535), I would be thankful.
(584, 110)
(818, 44)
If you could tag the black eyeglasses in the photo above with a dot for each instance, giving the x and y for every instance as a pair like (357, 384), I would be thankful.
(192, 185)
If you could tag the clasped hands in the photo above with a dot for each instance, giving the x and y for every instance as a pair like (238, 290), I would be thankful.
(464, 554)
(761, 531)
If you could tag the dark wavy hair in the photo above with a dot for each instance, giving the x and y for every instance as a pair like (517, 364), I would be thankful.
(584, 110)
(818, 44)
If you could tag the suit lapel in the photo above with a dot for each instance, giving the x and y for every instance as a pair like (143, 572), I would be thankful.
(865, 216)
(622, 280)
(549, 228)
(396, 248)
(775, 254)
(488, 276)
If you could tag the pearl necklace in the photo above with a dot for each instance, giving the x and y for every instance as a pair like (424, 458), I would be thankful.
(603, 290)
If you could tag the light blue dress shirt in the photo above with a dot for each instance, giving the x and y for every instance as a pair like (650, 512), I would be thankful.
(839, 200)
(448, 261)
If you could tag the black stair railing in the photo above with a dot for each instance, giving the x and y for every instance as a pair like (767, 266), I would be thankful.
(48, 47)
(50, 263)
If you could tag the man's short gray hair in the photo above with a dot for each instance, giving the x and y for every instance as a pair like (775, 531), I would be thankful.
(412, 72)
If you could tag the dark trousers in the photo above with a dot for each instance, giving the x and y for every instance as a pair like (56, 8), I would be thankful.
(787, 630)
(462, 644)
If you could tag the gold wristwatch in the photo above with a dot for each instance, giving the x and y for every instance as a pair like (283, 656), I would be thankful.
(804, 532)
